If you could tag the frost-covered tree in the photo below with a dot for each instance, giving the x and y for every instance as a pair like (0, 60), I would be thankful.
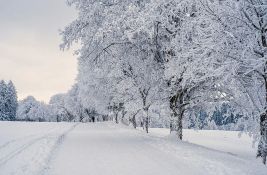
(12, 101)
(254, 13)
(8, 101)
(144, 73)
(29, 109)
(188, 36)
(58, 105)
(40, 112)
(245, 48)
(3, 100)
(73, 104)
(252, 74)
(97, 29)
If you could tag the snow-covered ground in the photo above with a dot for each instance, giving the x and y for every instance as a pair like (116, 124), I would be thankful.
(109, 149)
(27, 148)
(232, 142)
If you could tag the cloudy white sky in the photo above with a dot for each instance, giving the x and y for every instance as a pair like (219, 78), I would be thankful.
(29, 47)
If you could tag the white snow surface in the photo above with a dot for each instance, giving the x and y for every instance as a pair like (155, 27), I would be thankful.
(110, 149)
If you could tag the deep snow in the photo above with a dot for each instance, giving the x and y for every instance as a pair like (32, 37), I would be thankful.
(110, 149)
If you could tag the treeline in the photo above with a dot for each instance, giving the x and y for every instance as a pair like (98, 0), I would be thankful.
(61, 108)
(58, 110)
(68, 108)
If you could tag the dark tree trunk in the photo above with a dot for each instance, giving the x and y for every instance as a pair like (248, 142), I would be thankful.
(58, 118)
(116, 117)
(177, 124)
(81, 117)
(262, 147)
(133, 119)
(180, 125)
(142, 125)
(144, 94)
(177, 107)
(264, 40)
(134, 122)
(123, 113)
(146, 121)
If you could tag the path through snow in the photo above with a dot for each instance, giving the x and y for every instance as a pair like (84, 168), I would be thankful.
(108, 149)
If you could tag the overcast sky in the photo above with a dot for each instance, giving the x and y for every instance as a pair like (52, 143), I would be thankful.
(29, 47)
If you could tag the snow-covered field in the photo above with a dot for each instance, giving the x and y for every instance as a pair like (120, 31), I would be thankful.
(109, 149)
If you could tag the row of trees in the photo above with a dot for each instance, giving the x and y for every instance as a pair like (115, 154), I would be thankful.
(62, 107)
(68, 107)
(174, 58)
(8, 101)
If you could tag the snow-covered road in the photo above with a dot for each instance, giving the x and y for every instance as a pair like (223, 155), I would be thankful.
(107, 149)
(110, 149)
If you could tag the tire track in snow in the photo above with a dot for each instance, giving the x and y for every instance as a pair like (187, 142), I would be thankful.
(13, 141)
(46, 169)
(12, 154)
(10, 142)
(20, 150)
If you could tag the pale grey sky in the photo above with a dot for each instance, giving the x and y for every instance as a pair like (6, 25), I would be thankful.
(29, 47)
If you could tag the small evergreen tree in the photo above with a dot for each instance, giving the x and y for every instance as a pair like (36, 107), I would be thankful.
(12, 101)
(8, 101)
(3, 100)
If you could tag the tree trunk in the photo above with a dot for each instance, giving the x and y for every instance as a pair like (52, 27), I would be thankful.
(142, 124)
(177, 124)
(123, 113)
(146, 122)
(177, 108)
(134, 122)
(172, 124)
(81, 118)
(116, 117)
(145, 119)
(58, 118)
(262, 147)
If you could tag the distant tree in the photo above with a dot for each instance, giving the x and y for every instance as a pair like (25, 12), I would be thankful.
(8, 101)
(116, 108)
(62, 113)
(29, 109)
(73, 104)
(40, 112)
(3, 99)
(12, 101)
(25, 108)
